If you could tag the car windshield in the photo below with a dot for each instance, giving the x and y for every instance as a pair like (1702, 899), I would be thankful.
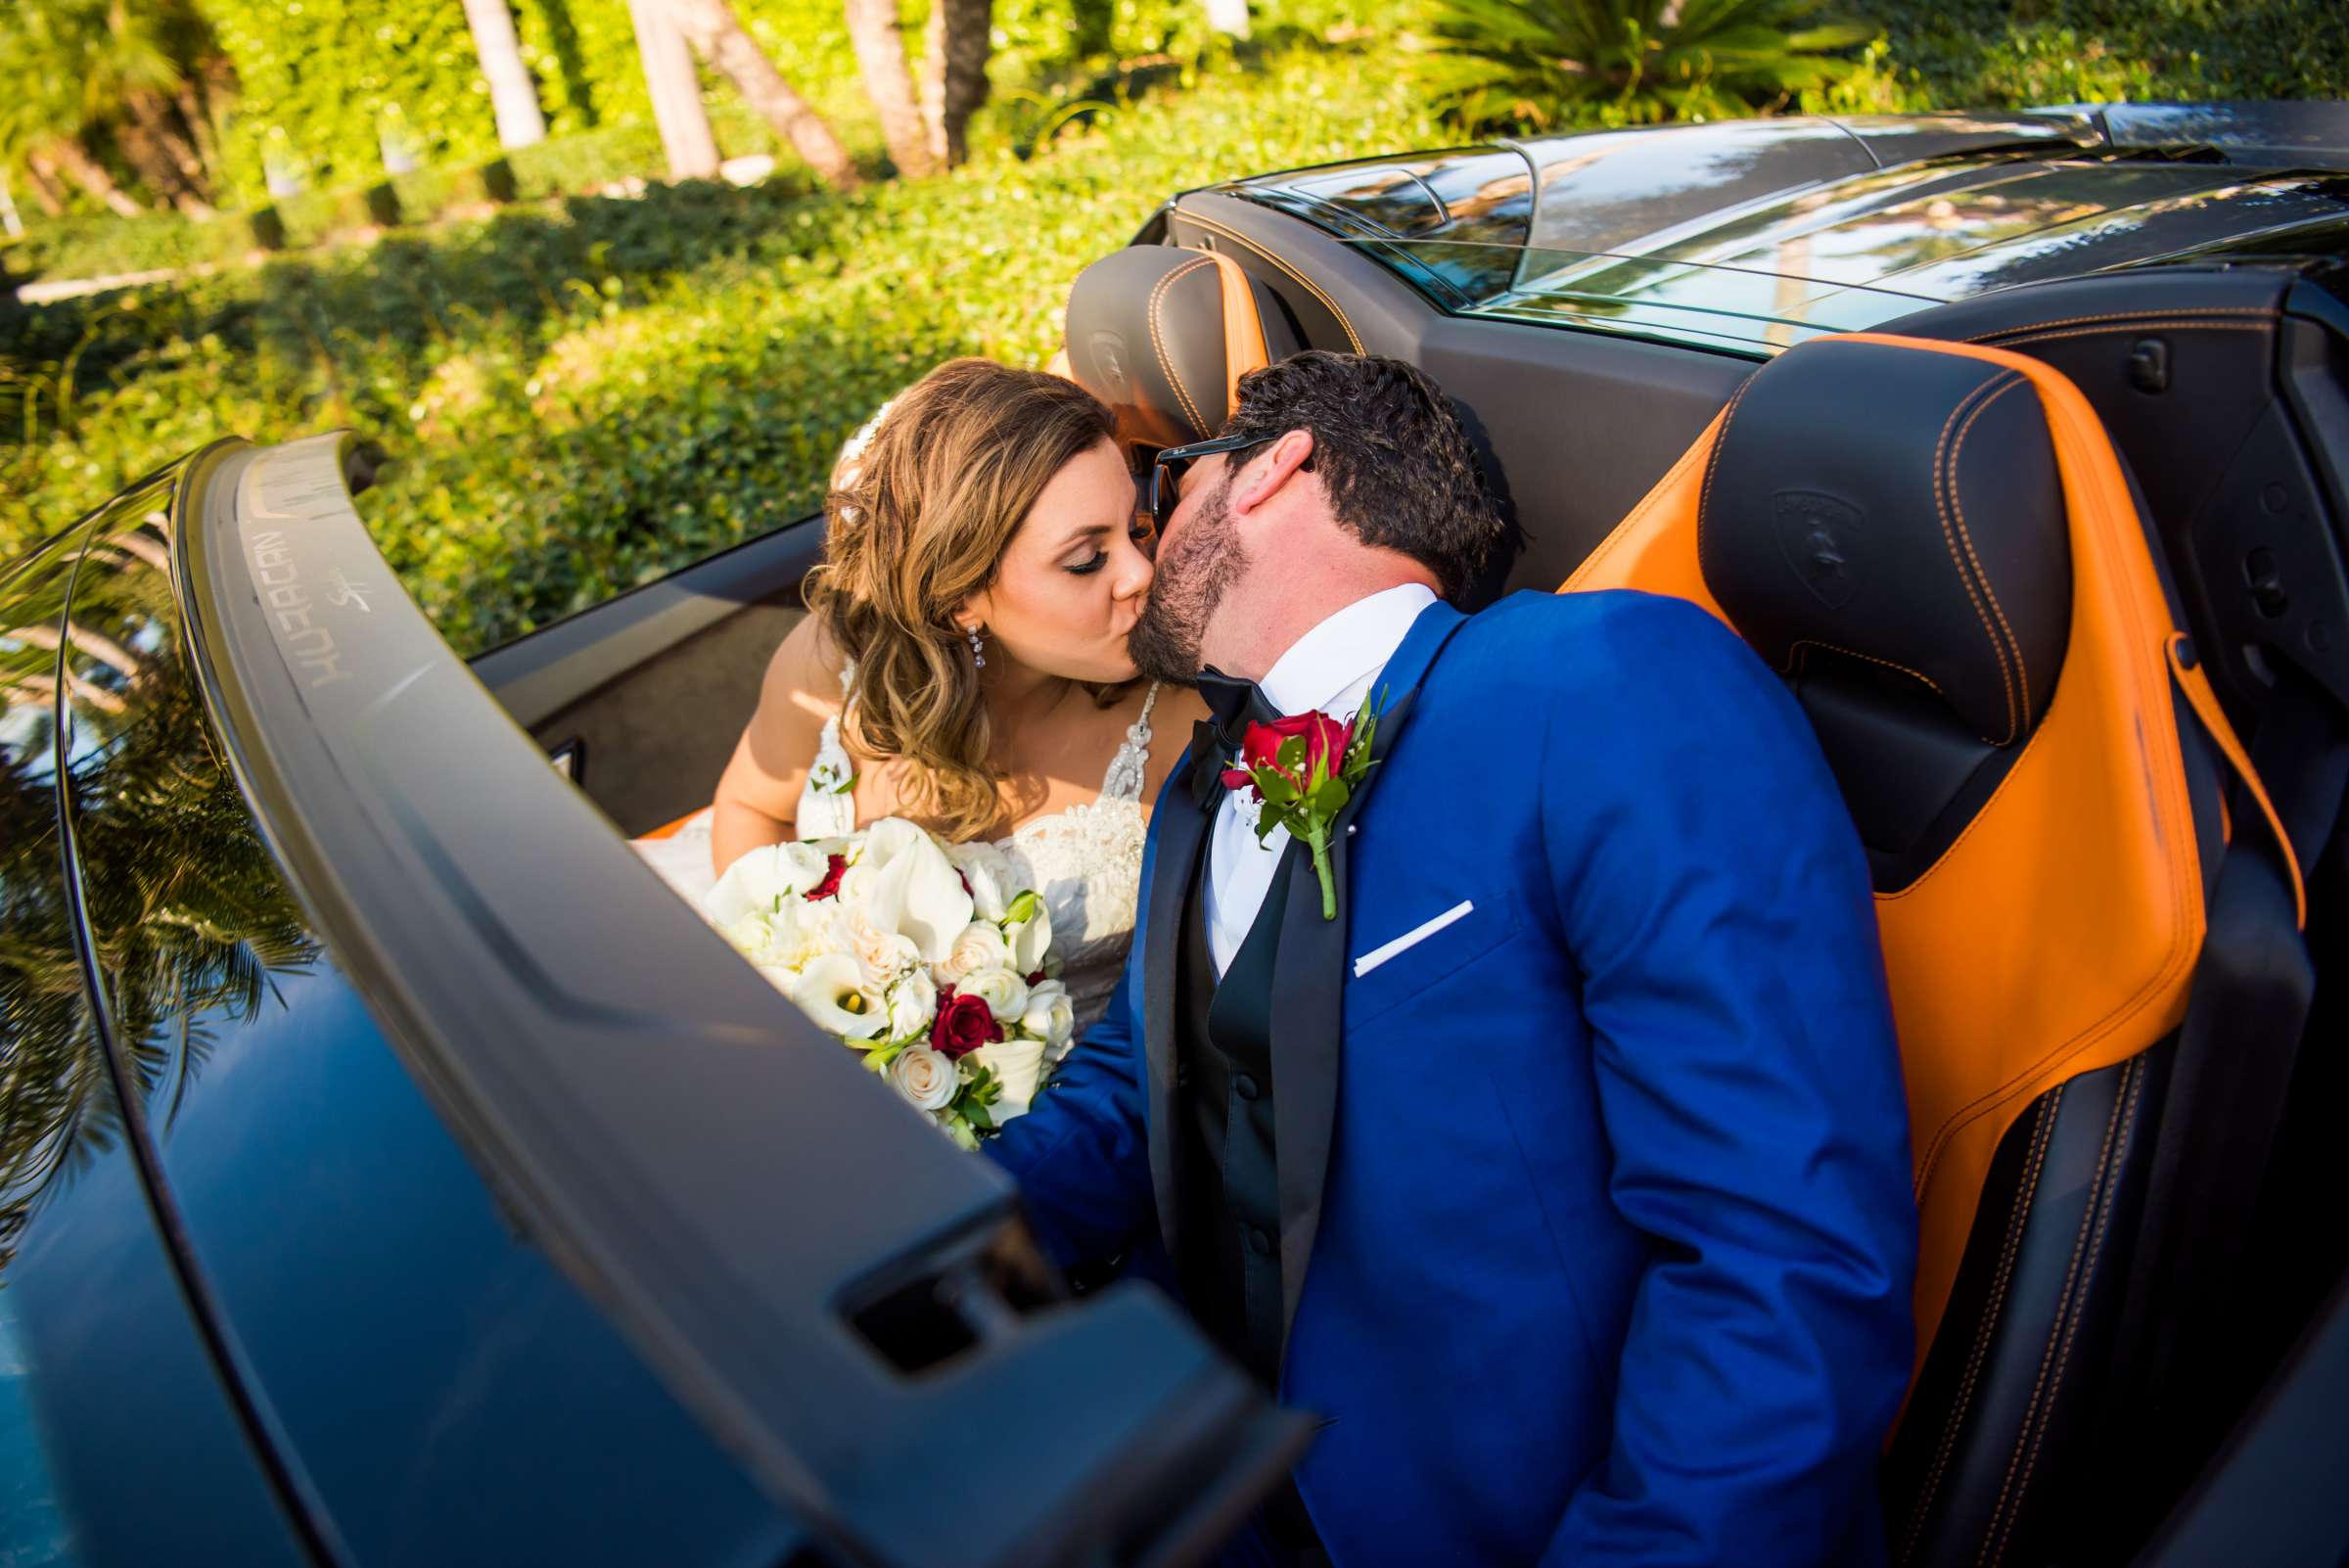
(1743, 309)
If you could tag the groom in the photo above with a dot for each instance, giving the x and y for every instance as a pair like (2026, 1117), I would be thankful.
(1565, 1173)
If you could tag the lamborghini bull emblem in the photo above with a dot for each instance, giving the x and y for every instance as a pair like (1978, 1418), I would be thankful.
(1109, 358)
(1816, 534)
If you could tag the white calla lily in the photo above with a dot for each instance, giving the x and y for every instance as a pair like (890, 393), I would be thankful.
(831, 991)
(917, 894)
(1030, 939)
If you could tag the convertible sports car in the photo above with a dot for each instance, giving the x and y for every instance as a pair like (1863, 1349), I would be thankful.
(396, 1172)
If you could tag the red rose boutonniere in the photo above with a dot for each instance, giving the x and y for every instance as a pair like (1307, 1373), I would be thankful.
(1304, 769)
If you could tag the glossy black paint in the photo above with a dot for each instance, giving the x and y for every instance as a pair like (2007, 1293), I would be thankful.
(306, 1246)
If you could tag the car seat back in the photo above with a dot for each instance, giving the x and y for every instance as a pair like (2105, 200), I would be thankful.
(1163, 335)
(1937, 547)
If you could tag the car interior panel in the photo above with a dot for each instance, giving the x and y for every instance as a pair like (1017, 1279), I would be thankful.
(650, 689)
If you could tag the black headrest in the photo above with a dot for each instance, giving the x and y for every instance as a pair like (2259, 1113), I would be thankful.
(1900, 507)
(1149, 333)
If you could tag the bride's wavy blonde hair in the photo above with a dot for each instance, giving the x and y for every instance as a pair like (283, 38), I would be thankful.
(915, 526)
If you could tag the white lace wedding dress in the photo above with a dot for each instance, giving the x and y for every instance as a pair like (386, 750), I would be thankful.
(1086, 861)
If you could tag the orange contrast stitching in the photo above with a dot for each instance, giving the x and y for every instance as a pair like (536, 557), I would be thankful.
(1310, 286)
(1704, 490)
(2099, 1205)
(2141, 325)
(1957, 505)
(1998, 649)
(2041, 1135)
(1165, 363)
(2129, 315)
(1801, 643)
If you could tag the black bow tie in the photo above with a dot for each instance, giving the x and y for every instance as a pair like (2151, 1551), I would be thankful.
(1236, 703)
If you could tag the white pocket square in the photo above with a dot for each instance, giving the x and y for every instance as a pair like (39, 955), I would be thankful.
(1411, 937)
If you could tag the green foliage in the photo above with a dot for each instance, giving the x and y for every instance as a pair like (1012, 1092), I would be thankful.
(1631, 62)
(2020, 51)
(582, 397)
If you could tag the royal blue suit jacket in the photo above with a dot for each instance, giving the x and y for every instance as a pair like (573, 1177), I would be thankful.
(1615, 1242)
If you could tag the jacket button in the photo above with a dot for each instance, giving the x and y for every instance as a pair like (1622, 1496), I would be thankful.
(1244, 1086)
(1259, 1243)
(1182, 1075)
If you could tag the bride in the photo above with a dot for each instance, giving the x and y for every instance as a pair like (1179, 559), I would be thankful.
(964, 662)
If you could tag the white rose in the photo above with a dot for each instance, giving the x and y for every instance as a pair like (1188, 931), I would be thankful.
(1018, 1065)
(752, 935)
(925, 1078)
(1030, 939)
(882, 955)
(1005, 993)
(796, 933)
(989, 871)
(1050, 1016)
(978, 946)
(831, 991)
(915, 888)
(912, 1005)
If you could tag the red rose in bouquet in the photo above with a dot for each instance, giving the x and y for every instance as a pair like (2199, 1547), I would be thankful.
(963, 1024)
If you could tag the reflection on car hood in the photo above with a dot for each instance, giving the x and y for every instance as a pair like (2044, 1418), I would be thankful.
(1780, 229)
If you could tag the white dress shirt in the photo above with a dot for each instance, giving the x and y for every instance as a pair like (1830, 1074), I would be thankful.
(1331, 667)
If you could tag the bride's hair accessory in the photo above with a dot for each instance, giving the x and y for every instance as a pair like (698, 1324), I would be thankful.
(978, 651)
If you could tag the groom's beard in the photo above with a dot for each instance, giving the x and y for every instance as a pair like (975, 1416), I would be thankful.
(1194, 573)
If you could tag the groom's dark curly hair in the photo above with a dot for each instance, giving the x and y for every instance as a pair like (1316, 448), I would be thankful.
(1392, 457)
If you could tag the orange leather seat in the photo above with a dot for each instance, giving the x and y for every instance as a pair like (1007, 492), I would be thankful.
(1937, 547)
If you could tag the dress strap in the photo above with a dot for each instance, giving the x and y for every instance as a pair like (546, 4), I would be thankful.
(828, 800)
(1127, 769)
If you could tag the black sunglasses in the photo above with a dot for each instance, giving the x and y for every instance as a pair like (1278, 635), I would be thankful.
(1163, 488)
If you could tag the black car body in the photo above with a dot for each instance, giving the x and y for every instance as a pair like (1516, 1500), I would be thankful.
(396, 1173)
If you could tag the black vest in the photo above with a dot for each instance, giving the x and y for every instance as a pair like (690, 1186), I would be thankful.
(1230, 1205)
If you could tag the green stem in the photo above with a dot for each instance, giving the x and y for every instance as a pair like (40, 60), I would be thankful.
(1317, 840)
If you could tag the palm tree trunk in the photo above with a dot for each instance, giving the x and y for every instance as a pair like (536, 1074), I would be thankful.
(512, 93)
(63, 153)
(716, 34)
(46, 192)
(676, 89)
(193, 112)
(881, 59)
(159, 169)
(155, 119)
(957, 40)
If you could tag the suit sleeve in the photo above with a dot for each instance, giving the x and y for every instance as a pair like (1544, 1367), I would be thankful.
(1712, 893)
(1080, 1155)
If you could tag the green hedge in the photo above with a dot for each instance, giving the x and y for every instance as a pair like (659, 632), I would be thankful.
(2021, 52)
(584, 398)
(105, 246)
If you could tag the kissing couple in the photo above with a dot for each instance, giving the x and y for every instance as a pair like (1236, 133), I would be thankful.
(1527, 1108)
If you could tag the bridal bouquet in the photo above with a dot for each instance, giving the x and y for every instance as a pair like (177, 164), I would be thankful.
(931, 961)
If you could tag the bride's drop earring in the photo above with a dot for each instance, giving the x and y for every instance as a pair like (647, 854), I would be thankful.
(978, 658)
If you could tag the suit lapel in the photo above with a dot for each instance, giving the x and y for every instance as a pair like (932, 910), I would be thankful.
(1308, 991)
(1181, 825)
